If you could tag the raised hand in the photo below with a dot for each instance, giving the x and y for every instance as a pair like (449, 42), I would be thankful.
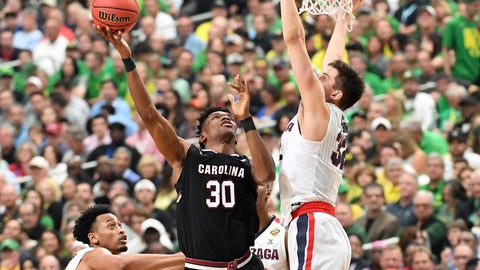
(239, 98)
(116, 39)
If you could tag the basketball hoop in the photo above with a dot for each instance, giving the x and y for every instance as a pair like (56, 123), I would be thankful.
(331, 8)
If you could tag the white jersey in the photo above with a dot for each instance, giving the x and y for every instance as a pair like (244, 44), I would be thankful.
(270, 246)
(312, 170)
(75, 261)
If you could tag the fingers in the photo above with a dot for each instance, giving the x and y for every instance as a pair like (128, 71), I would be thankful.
(246, 85)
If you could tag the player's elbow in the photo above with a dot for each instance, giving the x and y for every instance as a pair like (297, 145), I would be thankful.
(297, 37)
(264, 176)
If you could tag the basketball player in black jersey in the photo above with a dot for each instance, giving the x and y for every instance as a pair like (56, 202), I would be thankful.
(216, 214)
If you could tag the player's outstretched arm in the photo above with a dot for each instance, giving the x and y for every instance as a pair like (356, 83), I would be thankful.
(136, 261)
(336, 45)
(311, 90)
(263, 167)
(163, 133)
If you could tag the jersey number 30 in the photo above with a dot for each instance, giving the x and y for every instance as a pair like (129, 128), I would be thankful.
(221, 193)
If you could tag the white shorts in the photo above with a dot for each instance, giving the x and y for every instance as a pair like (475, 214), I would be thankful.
(317, 241)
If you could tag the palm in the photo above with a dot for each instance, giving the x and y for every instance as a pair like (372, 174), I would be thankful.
(240, 98)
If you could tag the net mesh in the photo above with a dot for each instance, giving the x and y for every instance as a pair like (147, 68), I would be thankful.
(329, 7)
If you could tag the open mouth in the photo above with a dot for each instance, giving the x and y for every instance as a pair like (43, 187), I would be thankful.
(227, 124)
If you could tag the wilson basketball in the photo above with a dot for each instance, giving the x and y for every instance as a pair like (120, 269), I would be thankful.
(119, 15)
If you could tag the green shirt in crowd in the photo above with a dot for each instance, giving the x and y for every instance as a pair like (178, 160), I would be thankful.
(462, 35)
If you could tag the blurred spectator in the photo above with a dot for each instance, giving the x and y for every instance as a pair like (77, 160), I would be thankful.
(15, 116)
(52, 244)
(428, 74)
(462, 58)
(7, 50)
(382, 131)
(392, 258)
(290, 97)
(85, 193)
(154, 232)
(24, 153)
(409, 151)
(389, 178)
(468, 211)
(29, 263)
(97, 127)
(358, 261)
(344, 214)
(10, 254)
(458, 142)
(74, 137)
(50, 193)
(98, 68)
(58, 169)
(7, 138)
(68, 190)
(218, 9)
(145, 193)
(122, 164)
(149, 168)
(426, 221)
(270, 98)
(30, 216)
(418, 104)
(362, 176)
(37, 102)
(109, 95)
(164, 22)
(429, 141)
(49, 262)
(453, 196)
(76, 109)
(422, 259)
(117, 133)
(360, 65)
(29, 36)
(461, 255)
(187, 37)
(403, 209)
(378, 223)
(49, 54)
(436, 174)
(8, 199)
(35, 197)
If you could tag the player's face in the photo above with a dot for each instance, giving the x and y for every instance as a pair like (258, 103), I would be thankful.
(108, 233)
(221, 122)
(327, 78)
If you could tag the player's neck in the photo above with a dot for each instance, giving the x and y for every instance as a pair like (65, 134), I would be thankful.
(264, 219)
(223, 148)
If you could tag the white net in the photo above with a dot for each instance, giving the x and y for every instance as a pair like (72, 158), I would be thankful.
(329, 7)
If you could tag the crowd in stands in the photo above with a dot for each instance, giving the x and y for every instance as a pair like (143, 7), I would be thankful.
(411, 192)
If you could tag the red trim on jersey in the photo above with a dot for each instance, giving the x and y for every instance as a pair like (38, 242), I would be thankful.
(230, 265)
(311, 241)
(310, 207)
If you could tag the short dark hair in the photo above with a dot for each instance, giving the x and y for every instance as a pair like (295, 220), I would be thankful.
(349, 82)
(205, 115)
(86, 221)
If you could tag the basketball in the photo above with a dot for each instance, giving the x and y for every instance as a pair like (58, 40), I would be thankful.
(119, 15)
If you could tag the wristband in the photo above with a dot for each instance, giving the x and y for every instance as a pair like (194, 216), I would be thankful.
(129, 64)
(248, 124)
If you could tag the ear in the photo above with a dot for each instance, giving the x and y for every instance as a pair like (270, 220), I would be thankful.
(202, 138)
(93, 237)
(337, 94)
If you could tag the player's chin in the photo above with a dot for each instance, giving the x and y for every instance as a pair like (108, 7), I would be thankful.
(123, 248)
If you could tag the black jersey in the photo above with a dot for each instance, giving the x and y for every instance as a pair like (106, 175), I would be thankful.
(216, 206)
